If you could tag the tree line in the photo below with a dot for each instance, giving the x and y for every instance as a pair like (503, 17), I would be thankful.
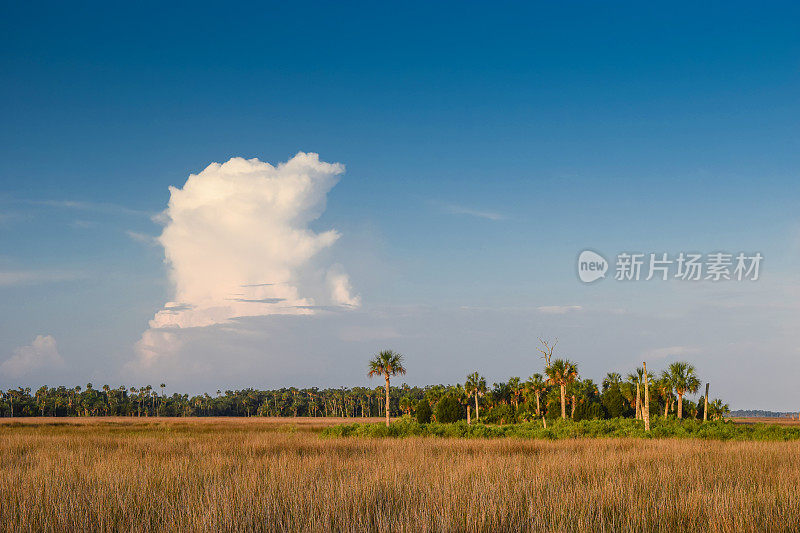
(557, 392)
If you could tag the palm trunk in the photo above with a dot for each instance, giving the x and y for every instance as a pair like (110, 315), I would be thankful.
(563, 401)
(680, 406)
(666, 407)
(572, 414)
(638, 402)
(646, 412)
(705, 406)
(538, 407)
(469, 410)
(387, 400)
(477, 413)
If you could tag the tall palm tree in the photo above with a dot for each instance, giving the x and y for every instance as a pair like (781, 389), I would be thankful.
(464, 397)
(637, 378)
(683, 379)
(537, 386)
(386, 363)
(516, 390)
(162, 397)
(562, 372)
(476, 385)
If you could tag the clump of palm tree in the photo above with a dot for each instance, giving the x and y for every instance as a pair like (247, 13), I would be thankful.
(562, 372)
(386, 363)
(536, 386)
(683, 379)
(718, 409)
(475, 386)
(516, 388)
(406, 405)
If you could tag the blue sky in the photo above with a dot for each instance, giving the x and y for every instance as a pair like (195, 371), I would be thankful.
(485, 146)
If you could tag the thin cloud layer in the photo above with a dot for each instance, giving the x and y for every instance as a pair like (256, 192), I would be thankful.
(16, 278)
(558, 309)
(461, 210)
(671, 351)
(238, 244)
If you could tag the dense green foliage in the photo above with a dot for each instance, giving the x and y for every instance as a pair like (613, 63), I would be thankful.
(424, 412)
(448, 410)
(568, 429)
(562, 390)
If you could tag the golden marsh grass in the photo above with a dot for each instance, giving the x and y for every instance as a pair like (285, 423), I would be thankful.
(270, 475)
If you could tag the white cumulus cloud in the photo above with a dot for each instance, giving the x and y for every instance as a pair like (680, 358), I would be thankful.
(238, 244)
(340, 290)
(41, 353)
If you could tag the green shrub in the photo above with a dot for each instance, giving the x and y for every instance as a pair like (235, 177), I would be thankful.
(424, 412)
(588, 411)
(501, 414)
(613, 402)
(568, 429)
(449, 410)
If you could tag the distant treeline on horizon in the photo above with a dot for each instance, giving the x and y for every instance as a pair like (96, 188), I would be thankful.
(505, 402)
(745, 413)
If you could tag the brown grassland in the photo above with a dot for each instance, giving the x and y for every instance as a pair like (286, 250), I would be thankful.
(781, 421)
(277, 475)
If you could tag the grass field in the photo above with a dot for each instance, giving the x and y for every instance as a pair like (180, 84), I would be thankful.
(277, 475)
(767, 420)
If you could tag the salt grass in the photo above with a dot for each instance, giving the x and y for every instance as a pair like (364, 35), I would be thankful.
(211, 475)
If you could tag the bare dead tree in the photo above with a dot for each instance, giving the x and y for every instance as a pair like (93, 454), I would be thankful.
(546, 349)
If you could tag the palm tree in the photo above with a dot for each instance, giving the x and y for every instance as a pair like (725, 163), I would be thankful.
(515, 386)
(664, 385)
(386, 363)
(135, 392)
(683, 379)
(537, 386)
(406, 404)
(464, 397)
(719, 409)
(562, 372)
(612, 378)
(162, 397)
(77, 390)
(637, 378)
(476, 386)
